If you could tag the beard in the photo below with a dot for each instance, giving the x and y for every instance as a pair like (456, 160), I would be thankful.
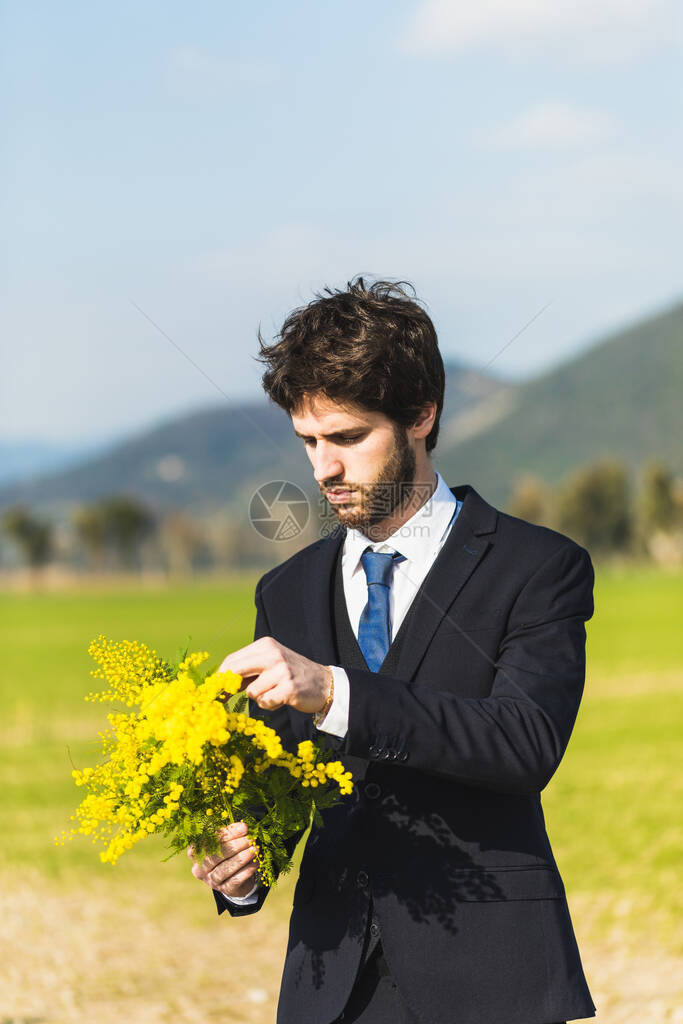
(392, 489)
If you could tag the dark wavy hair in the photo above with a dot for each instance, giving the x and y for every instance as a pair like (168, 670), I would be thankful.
(373, 346)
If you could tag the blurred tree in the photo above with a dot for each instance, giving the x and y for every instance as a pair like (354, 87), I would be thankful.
(594, 506)
(127, 523)
(677, 492)
(657, 500)
(660, 515)
(529, 499)
(90, 526)
(180, 541)
(221, 543)
(33, 536)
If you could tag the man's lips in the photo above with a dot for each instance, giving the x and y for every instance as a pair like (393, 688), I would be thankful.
(339, 494)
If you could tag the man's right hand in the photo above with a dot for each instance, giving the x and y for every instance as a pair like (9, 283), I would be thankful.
(233, 870)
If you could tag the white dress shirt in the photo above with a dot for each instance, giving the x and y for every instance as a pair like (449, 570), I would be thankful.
(419, 540)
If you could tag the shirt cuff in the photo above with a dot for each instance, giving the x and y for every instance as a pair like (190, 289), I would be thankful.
(336, 721)
(241, 901)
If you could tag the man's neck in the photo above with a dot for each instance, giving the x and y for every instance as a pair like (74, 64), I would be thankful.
(423, 488)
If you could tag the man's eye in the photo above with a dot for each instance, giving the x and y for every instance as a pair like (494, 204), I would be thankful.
(309, 441)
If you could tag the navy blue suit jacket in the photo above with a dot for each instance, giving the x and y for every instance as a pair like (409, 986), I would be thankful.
(451, 751)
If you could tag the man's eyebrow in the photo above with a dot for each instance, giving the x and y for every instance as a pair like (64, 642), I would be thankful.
(334, 433)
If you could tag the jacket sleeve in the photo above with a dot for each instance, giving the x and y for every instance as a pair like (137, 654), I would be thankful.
(280, 721)
(514, 739)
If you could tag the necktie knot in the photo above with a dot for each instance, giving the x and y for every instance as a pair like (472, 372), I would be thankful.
(378, 565)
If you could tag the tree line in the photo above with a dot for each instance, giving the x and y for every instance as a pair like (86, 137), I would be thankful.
(604, 509)
(120, 533)
(598, 505)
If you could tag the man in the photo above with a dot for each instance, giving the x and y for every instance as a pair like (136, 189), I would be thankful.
(439, 645)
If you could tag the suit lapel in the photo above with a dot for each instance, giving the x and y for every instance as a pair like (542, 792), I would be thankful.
(462, 552)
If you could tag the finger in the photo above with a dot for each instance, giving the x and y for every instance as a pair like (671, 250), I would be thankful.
(228, 850)
(227, 868)
(199, 871)
(239, 659)
(233, 838)
(201, 868)
(275, 698)
(231, 847)
(237, 882)
(235, 830)
(266, 681)
(252, 659)
(228, 663)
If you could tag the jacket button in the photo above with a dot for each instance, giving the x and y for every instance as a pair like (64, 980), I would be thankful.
(362, 879)
(372, 791)
(374, 928)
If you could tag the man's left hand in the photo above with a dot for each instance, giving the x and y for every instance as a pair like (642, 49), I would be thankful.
(274, 675)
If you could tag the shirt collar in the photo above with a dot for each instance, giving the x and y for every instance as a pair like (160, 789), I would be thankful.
(417, 538)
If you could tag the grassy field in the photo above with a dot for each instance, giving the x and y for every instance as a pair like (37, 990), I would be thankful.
(143, 938)
(613, 807)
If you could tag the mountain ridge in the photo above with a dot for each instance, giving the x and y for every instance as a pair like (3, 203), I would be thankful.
(619, 397)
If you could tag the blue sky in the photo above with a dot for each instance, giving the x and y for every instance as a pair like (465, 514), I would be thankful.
(216, 163)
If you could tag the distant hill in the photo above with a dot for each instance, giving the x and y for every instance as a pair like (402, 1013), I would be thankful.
(621, 397)
(211, 458)
(201, 455)
(21, 460)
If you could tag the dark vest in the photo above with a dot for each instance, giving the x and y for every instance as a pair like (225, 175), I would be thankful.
(349, 653)
(346, 645)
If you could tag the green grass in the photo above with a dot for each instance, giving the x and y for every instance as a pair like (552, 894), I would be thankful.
(45, 636)
(613, 812)
(612, 809)
(46, 724)
(637, 622)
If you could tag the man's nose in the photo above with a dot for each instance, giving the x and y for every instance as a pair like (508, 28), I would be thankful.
(326, 465)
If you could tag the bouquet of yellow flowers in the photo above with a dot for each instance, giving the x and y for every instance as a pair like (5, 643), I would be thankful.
(187, 759)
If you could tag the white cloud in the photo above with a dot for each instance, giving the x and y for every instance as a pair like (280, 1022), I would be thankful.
(553, 125)
(592, 30)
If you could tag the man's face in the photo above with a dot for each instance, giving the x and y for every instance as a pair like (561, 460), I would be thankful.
(363, 461)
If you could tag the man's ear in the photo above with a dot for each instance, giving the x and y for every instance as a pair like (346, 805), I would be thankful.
(425, 421)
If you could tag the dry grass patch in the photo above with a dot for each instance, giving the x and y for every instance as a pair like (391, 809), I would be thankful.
(109, 953)
(77, 956)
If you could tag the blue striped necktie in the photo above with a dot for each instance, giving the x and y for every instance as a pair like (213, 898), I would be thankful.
(374, 628)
